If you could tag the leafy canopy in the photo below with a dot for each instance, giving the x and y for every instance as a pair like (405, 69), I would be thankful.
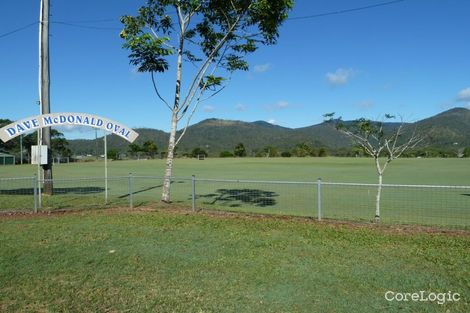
(204, 32)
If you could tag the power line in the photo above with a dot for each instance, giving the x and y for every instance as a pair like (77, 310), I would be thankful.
(107, 20)
(85, 26)
(345, 10)
(77, 23)
(18, 29)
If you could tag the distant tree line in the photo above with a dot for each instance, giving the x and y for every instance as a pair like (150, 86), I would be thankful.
(148, 149)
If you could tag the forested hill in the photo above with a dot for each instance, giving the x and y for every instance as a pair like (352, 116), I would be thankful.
(445, 130)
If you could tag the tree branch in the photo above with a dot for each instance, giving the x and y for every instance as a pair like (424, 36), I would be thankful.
(156, 91)
(200, 74)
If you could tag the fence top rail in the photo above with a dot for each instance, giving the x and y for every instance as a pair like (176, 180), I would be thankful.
(395, 185)
(83, 179)
(325, 183)
(255, 181)
(112, 178)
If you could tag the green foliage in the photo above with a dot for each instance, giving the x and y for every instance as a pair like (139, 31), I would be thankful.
(59, 144)
(224, 135)
(150, 148)
(466, 152)
(223, 32)
(270, 151)
(113, 154)
(303, 150)
(134, 148)
(286, 154)
(239, 150)
(226, 154)
(211, 82)
(322, 152)
(198, 151)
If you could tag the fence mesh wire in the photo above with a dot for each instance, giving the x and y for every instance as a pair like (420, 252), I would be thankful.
(287, 198)
(447, 206)
(17, 193)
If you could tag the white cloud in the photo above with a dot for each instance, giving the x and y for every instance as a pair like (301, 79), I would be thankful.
(464, 95)
(261, 68)
(280, 105)
(340, 77)
(366, 104)
(209, 108)
(272, 121)
(240, 107)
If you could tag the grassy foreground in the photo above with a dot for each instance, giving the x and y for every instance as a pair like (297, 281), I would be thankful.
(170, 261)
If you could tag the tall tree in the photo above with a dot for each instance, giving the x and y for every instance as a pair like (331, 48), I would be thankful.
(383, 146)
(134, 149)
(214, 35)
(239, 150)
(59, 145)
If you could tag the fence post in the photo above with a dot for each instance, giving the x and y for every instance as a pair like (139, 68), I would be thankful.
(193, 199)
(319, 198)
(35, 193)
(131, 204)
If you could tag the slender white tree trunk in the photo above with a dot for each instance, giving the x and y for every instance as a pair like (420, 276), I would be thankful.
(377, 200)
(174, 117)
(380, 172)
(169, 160)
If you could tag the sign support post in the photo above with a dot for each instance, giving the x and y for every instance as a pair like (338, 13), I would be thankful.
(105, 168)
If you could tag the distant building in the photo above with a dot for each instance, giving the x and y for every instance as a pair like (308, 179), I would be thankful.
(7, 159)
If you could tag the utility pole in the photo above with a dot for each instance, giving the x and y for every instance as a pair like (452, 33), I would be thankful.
(21, 149)
(44, 91)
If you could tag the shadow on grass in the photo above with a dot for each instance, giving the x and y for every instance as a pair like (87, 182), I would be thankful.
(148, 188)
(57, 191)
(140, 191)
(237, 197)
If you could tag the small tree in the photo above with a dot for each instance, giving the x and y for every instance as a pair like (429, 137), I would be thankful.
(59, 145)
(466, 152)
(150, 148)
(226, 154)
(377, 143)
(270, 151)
(213, 35)
(303, 150)
(113, 154)
(239, 150)
(322, 152)
(197, 152)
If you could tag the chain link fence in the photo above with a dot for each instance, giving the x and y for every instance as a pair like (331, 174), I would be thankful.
(446, 206)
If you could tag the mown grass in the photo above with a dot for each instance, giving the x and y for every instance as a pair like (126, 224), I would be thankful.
(171, 261)
(423, 206)
(358, 170)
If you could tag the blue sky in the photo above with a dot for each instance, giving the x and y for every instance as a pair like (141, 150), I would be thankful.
(410, 58)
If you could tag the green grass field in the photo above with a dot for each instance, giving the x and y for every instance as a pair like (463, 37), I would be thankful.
(425, 206)
(359, 170)
(171, 261)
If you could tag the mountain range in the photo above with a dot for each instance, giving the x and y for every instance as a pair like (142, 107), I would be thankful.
(443, 131)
